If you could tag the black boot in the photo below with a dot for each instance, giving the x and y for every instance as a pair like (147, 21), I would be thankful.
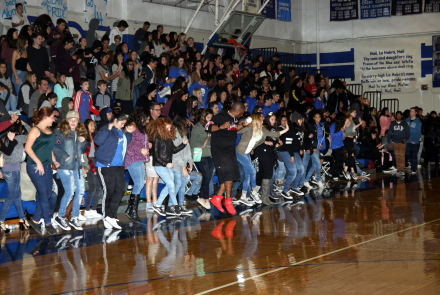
(130, 204)
(133, 212)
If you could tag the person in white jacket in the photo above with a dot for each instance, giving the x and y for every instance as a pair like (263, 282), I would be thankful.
(122, 25)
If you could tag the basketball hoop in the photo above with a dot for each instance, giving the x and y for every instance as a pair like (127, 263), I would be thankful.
(240, 50)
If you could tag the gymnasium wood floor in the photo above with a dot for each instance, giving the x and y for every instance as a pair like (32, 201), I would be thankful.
(380, 238)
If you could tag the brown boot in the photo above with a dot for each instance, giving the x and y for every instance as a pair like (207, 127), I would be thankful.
(265, 190)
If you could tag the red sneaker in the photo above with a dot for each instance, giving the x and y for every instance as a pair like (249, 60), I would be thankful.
(229, 206)
(217, 232)
(230, 229)
(217, 202)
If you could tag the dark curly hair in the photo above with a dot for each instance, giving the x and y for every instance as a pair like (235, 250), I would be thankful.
(157, 128)
(140, 118)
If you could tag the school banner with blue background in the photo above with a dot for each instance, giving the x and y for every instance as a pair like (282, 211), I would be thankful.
(96, 9)
(283, 10)
(8, 8)
(341, 10)
(56, 9)
(406, 7)
(375, 8)
(269, 10)
(432, 5)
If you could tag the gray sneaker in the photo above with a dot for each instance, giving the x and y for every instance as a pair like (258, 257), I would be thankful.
(149, 207)
(245, 202)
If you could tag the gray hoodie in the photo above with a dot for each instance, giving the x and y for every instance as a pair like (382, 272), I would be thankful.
(91, 33)
(184, 157)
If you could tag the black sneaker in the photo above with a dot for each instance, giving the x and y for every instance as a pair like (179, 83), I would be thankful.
(159, 209)
(274, 197)
(185, 211)
(62, 222)
(35, 226)
(297, 191)
(173, 211)
(286, 195)
(256, 198)
(51, 230)
(353, 175)
(314, 180)
(75, 223)
(245, 202)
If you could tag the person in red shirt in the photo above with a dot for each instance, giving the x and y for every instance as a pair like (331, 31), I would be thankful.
(310, 89)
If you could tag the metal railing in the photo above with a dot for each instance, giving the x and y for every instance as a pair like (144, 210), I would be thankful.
(319, 71)
(301, 67)
(356, 89)
(375, 98)
(333, 78)
(391, 103)
(265, 52)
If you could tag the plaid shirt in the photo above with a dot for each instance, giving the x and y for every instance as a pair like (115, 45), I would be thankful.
(91, 160)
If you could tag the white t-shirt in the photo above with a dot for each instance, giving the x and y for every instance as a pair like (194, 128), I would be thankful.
(17, 19)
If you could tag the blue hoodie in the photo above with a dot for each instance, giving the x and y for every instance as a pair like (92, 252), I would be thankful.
(337, 138)
(415, 130)
(252, 102)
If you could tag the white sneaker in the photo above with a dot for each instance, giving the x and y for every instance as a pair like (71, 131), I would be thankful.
(95, 214)
(81, 217)
(107, 223)
(307, 184)
(114, 222)
(41, 223)
(113, 237)
(320, 184)
(88, 214)
(393, 168)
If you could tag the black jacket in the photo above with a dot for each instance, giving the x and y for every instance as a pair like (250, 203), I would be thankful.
(293, 140)
(163, 151)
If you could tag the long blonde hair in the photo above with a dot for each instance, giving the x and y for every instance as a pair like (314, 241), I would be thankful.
(257, 125)
(79, 130)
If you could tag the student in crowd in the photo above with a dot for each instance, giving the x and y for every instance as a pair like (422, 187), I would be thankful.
(12, 146)
(162, 133)
(398, 134)
(39, 145)
(349, 137)
(61, 89)
(95, 187)
(110, 155)
(38, 57)
(102, 70)
(26, 91)
(64, 63)
(20, 64)
(413, 142)
(385, 120)
(117, 31)
(117, 67)
(8, 48)
(138, 153)
(102, 98)
(83, 102)
(19, 20)
(317, 143)
(181, 161)
(337, 145)
(69, 146)
(48, 100)
(126, 84)
(11, 103)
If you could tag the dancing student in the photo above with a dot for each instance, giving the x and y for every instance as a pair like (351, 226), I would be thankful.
(12, 146)
(95, 187)
(317, 143)
(264, 150)
(201, 139)
(161, 133)
(138, 153)
(180, 161)
(126, 84)
(280, 172)
(39, 146)
(291, 151)
(70, 144)
(110, 154)
(349, 135)
(337, 145)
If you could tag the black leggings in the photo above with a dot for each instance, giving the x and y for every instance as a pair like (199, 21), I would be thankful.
(349, 146)
(114, 188)
(431, 150)
(266, 162)
(338, 161)
(95, 190)
(206, 167)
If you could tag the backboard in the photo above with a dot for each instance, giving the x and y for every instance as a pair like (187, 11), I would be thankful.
(239, 26)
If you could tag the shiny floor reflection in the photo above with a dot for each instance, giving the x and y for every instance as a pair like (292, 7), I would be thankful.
(379, 236)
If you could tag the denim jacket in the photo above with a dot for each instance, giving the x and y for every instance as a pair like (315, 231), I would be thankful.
(69, 147)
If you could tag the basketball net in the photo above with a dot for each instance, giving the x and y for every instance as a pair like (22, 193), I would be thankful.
(240, 50)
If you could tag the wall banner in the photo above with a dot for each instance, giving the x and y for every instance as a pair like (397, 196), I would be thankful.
(96, 9)
(56, 9)
(7, 7)
(406, 7)
(341, 10)
(284, 10)
(432, 5)
(269, 10)
(375, 8)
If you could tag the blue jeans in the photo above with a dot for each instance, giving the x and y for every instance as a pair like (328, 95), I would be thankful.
(11, 105)
(180, 182)
(21, 76)
(196, 183)
(316, 166)
(73, 183)
(167, 176)
(249, 172)
(137, 173)
(299, 179)
(290, 170)
(280, 171)
(12, 178)
(10, 73)
(211, 182)
(236, 185)
(43, 184)
(411, 153)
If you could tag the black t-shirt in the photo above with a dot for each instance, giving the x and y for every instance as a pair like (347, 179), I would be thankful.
(223, 139)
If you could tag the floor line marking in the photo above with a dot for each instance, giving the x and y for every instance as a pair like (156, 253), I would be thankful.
(313, 258)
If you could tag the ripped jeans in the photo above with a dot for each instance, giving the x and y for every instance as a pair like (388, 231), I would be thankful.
(73, 183)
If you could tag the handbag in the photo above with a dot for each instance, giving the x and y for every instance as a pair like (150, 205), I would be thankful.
(197, 154)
